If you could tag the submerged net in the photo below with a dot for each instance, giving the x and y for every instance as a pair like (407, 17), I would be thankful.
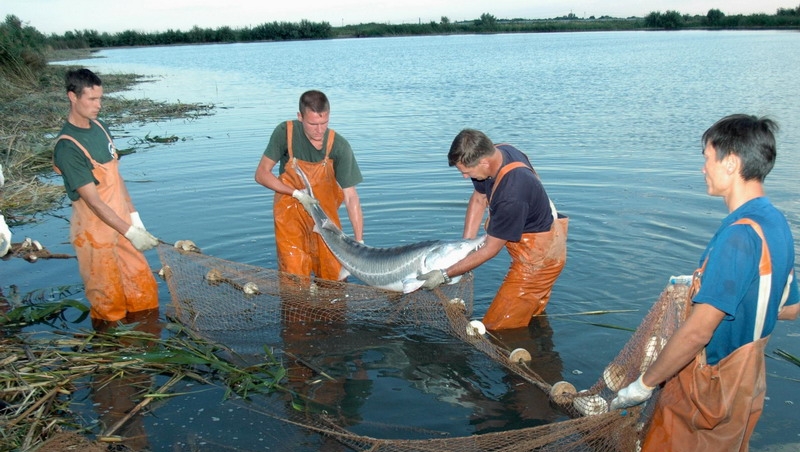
(252, 310)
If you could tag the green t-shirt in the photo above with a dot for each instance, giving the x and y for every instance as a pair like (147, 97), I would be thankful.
(345, 166)
(76, 169)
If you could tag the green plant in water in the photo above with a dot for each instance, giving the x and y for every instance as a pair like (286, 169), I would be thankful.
(184, 350)
(30, 310)
(788, 357)
(160, 139)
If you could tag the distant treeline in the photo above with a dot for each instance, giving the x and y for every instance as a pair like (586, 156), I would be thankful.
(784, 18)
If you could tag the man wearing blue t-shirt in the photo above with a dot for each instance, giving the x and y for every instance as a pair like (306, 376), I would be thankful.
(746, 283)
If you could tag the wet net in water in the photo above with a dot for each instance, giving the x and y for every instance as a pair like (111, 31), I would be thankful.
(249, 309)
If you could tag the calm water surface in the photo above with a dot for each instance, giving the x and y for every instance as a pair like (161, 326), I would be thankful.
(611, 121)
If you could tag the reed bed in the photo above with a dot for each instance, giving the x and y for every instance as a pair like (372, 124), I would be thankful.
(41, 372)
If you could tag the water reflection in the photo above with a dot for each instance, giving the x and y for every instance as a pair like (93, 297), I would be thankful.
(403, 382)
(530, 405)
(320, 382)
(115, 393)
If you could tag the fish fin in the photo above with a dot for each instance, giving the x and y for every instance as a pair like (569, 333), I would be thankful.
(343, 273)
(412, 284)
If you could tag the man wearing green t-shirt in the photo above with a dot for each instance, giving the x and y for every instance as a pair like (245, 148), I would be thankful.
(105, 228)
(327, 160)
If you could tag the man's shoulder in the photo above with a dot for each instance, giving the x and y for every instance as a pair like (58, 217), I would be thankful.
(280, 129)
(340, 142)
(762, 212)
(66, 140)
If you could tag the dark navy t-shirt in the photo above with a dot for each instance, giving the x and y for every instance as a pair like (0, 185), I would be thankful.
(519, 204)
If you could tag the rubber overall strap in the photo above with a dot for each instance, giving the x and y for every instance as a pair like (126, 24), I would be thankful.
(503, 171)
(80, 146)
(289, 133)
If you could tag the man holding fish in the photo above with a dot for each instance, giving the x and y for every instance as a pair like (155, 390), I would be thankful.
(521, 218)
(327, 159)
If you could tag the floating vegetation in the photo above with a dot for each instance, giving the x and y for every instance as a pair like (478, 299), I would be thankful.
(43, 313)
(149, 141)
(160, 139)
(788, 357)
(602, 325)
(40, 373)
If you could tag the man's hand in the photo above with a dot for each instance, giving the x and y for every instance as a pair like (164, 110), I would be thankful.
(140, 238)
(433, 279)
(305, 199)
(631, 395)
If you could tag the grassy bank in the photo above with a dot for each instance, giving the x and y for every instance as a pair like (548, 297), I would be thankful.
(33, 108)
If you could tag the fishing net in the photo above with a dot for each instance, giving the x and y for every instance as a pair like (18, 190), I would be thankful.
(252, 311)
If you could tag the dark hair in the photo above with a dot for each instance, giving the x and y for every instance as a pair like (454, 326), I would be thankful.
(78, 79)
(468, 147)
(315, 101)
(750, 138)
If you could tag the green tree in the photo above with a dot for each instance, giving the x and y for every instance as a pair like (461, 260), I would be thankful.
(224, 34)
(652, 20)
(670, 20)
(21, 51)
(714, 17)
(486, 22)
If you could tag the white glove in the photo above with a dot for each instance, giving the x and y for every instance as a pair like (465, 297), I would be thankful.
(140, 238)
(631, 395)
(305, 199)
(5, 237)
(136, 220)
(433, 279)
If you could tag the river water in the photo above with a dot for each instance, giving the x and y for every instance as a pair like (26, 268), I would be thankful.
(611, 121)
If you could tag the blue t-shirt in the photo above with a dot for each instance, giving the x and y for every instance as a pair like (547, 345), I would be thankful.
(730, 280)
(520, 204)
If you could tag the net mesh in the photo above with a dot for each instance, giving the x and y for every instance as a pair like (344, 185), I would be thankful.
(248, 309)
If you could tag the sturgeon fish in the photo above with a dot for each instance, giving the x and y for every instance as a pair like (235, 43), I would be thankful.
(394, 268)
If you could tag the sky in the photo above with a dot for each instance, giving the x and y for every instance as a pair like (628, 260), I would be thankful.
(148, 16)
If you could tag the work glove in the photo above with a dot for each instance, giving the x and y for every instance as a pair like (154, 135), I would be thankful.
(136, 220)
(433, 279)
(305, 199)
(140, 238)
(5, 237)
(631, 395)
